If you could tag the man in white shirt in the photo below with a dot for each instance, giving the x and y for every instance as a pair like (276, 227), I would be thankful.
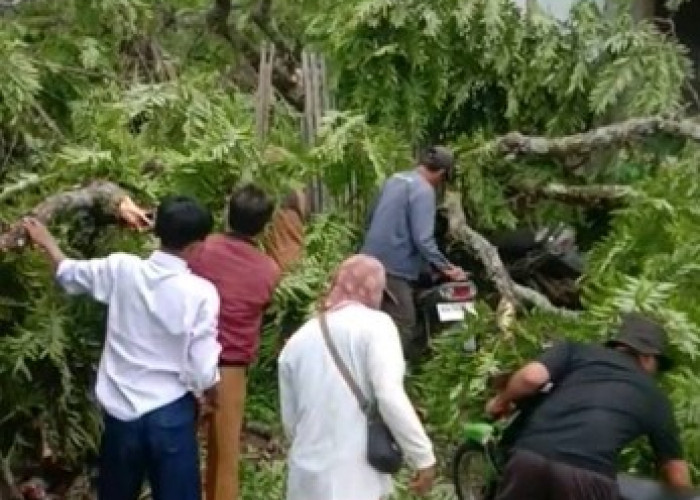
(160, 348)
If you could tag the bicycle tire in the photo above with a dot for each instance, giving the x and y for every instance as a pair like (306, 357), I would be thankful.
(462, 465)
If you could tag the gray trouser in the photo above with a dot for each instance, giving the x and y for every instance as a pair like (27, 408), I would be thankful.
(401, 306)
(529, 476)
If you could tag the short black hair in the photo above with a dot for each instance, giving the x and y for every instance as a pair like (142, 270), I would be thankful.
(249, 210)
(181, 221)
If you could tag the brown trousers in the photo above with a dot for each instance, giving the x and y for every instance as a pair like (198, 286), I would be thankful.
(283, 241)
(529, 476)
(224, 436)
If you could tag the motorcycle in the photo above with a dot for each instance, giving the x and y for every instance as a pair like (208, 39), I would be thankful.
(442, 306)
(479, 461)
(547, 260)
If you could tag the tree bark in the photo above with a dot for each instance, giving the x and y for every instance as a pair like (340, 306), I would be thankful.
(582, 145)
(102, 195)
(284, 74)
(592, 194)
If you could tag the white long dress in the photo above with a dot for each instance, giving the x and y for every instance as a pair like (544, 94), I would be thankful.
(322, 419)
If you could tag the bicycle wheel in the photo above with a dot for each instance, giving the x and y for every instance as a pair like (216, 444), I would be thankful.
(473, 472)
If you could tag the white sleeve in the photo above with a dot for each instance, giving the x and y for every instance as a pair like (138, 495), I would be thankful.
(201, 363)
(386, 369)
(287, 403)
(95, 277)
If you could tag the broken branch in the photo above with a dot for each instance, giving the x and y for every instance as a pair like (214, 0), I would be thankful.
(578, 195)
(103, 195)
(512, 294)
(583, 144)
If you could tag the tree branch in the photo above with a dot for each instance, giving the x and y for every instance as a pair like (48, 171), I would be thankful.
(591, 194)
(104, 195)
(284, 76)
(512, 294)
(8, 487)
(583, 144)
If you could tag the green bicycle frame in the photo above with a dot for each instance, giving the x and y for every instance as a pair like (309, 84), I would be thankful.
(480, 433)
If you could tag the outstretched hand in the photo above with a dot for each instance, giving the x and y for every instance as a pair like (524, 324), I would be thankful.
(134, 216)
(37, 232)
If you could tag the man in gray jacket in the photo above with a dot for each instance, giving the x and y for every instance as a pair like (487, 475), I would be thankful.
(401, 237)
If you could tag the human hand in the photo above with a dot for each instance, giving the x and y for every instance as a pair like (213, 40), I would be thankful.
(37, 232)
(422, 481)
(134, 216)
(498, 408)
(208, 402)
(211, 397)
(455, 273)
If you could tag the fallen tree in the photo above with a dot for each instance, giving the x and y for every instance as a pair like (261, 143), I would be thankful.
(587, 195)
(515, 144)
(512, 294)
(103, 196)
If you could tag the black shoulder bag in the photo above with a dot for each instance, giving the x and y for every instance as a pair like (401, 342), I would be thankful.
(382, 451)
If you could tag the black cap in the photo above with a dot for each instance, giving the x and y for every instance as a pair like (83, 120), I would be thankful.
(438, 158)
(643, 336)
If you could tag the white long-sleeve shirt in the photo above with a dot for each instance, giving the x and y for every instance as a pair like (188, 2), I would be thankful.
(161, 330)
(322, 418)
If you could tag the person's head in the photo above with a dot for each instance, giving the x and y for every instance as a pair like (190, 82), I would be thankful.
(359, 278)
(644, 339)
(437, 165)
(249, 211)
(180, 222)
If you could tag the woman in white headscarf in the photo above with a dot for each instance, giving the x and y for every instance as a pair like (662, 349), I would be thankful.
(322, 417)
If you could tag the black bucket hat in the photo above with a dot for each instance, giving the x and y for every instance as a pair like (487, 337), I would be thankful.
(643, 336)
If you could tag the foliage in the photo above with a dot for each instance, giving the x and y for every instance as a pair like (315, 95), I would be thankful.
(142, 93)
(453, 67)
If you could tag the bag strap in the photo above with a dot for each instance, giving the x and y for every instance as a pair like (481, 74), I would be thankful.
(342, 368)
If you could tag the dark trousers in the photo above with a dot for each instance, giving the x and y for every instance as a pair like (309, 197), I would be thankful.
(529, 476)
(400, 304)
(161, 445)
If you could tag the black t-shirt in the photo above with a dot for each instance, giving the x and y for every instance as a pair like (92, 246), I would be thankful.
(601, 401)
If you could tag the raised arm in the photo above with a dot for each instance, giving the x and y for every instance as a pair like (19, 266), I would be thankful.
(284, 238)
(94, 276)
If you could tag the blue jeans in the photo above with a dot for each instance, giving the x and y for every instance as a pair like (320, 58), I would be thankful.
(161, 445)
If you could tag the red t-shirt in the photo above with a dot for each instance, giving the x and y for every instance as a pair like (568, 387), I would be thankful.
(245, 279)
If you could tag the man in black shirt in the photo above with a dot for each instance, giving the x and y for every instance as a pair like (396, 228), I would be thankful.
(603, 398)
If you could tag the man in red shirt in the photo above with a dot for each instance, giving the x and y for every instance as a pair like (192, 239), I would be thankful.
(245, 278)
